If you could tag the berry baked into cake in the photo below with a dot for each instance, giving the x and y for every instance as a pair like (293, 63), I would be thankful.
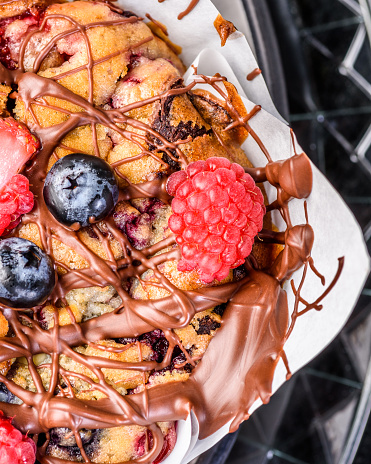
(139, 267)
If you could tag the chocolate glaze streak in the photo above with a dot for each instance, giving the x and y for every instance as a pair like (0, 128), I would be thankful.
(255, 73)
(187, 10)
(161, 26)
(255, 323)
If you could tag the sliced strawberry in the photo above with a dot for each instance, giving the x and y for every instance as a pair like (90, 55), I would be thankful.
(16, 148)
(17, 145)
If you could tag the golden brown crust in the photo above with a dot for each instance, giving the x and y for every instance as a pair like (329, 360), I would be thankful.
(4, 326)
(18, 7)
(216, 112)
(158, 29)
(4, 93)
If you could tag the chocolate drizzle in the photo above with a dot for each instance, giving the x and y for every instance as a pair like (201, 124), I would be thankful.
(255, 73)
(188, 9)
(184, 13)
(256, 322)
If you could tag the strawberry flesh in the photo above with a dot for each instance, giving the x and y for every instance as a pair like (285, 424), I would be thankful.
(16, 148)
(15, 448)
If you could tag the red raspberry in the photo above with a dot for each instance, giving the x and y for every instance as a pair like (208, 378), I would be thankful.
(15, 200)
(18, 145)
(218, 210)
(15, 448)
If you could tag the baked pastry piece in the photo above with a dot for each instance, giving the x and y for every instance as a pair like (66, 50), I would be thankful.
(102, 368)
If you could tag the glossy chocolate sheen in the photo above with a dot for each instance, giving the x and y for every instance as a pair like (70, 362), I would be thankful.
(254, 73)
(237, 368)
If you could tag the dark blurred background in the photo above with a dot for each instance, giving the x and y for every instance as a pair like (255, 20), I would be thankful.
(316, 59)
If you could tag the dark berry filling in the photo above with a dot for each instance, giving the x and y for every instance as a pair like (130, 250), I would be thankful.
(132, 80)
(220, 309)
(179, 359)
(140, 445)
(158, 342)
(89, 230)
(40, 316)
(35, 15)
(162, 124)
(239, 272)
(138, 227)
(206, 325)
(128, 14)
(149, 206)
(127, 340)
(64, 437)
(64, 440)
(5, 58)
(155, 339)
(134, 60)
(169, 443)
(168, 446)
(132, 225)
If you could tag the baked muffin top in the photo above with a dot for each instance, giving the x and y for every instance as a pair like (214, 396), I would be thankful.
(120, 344)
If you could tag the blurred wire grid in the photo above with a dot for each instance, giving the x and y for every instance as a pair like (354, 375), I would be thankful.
(335, 38)
(320, 416)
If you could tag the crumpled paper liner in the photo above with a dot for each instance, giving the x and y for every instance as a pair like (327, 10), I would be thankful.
(336, 231)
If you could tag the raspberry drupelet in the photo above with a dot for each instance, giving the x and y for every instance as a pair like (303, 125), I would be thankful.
(15, 448)
(218, 210)
(15, 200)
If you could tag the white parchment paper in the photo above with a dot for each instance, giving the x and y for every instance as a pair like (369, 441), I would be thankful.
(337, 233)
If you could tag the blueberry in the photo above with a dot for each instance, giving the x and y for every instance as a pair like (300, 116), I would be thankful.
(80, 189)
(27, 275)
(6, 396)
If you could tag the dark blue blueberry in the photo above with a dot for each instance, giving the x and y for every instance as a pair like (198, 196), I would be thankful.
(27, 275)
(6, 396)
(80, 189)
